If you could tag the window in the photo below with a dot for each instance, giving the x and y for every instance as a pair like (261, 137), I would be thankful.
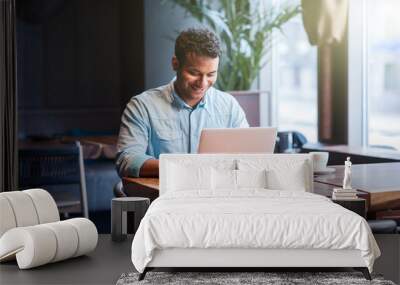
(297, 81)
(374, 73)
(383, 72)
(291, 77)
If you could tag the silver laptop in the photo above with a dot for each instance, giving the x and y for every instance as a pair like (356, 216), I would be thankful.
(237, 140)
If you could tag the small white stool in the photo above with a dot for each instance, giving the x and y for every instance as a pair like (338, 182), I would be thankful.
(119, 209)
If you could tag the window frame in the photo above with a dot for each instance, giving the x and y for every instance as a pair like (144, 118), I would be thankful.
(357, 74)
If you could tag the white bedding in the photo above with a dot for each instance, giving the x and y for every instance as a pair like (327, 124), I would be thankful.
(251, 218)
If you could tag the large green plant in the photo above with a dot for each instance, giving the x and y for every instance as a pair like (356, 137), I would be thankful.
(244, 29)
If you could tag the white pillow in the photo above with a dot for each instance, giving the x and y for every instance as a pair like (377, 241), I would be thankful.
(251, 178)
(223, 179)
(292, 179)
(227, 179)
(188, 177)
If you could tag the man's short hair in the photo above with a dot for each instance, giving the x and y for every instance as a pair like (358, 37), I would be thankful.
(199, 41)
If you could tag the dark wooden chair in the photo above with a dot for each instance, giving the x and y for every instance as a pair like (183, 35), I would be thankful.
(56, 168)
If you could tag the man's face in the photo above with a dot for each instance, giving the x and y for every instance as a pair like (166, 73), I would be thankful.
(194, 77)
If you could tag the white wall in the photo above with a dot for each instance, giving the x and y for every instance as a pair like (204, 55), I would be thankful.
(162, 24)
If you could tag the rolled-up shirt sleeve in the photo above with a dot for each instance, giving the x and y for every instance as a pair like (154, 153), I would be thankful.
(133, 140)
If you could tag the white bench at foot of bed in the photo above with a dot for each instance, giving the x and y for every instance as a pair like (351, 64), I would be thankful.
(232, 257)
(253, 258)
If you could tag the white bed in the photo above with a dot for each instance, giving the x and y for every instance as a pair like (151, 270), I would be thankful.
(247, 211)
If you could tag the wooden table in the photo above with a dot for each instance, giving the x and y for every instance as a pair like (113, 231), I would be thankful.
(93, 147)
(378, 183)
(141, 187)
(359, 155)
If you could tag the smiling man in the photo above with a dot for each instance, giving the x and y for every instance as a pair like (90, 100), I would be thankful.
(169, 119)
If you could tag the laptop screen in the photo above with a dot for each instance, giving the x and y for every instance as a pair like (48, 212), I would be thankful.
(238, 140)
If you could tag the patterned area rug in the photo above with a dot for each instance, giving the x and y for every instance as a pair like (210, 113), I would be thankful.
(229, 278)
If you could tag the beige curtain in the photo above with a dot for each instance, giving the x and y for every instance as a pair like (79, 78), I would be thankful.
(325, 21)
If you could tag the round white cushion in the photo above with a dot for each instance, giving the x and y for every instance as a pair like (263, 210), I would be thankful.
(87, 234)
(45, 205)
(67, 240)
(7, 218)
(40, 244)
(33, 246)
(26, 208)
(22, 207)
(31, 232)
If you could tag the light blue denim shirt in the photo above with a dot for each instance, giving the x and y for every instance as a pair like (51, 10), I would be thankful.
(159, 121)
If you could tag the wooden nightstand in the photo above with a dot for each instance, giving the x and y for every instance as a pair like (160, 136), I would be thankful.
(355, 205)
